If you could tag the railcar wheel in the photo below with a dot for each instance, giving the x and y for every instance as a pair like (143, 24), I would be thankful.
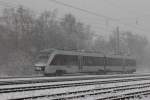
(60, 72)
(48, 74)
(101, 72)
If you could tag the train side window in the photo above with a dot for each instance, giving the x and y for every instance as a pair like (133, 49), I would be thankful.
(93, 61)
(114, 61)
(64, 60)
(130, 62)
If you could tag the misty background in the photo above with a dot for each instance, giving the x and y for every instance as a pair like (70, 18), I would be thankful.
(25, 31)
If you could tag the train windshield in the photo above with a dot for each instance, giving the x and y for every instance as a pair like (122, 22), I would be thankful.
(43, 58)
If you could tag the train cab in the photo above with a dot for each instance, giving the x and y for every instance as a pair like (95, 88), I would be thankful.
(42, 61)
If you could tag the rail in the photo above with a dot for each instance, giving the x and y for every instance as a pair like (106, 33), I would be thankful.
(99, 89)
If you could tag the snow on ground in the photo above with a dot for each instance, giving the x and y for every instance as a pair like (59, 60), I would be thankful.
(142, 98)
(64, 90)
(68, 89)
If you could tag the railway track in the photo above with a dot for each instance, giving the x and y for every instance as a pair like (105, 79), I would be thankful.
(29, 80)
(95, 93)
(97, 89)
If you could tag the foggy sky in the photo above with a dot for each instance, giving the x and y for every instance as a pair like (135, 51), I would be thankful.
(133, 15)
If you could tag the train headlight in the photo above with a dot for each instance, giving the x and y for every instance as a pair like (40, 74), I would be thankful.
(39, 67)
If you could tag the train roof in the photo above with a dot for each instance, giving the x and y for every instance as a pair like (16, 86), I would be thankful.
(48, 51)
(83, 53)
(74, 52)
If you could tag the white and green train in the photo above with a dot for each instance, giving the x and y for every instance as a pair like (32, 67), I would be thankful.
(61, 62)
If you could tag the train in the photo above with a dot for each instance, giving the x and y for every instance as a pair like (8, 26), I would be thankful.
(60, 62)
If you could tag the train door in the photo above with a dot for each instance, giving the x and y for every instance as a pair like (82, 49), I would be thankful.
(123, 65)
(80, 58)
(105, 64)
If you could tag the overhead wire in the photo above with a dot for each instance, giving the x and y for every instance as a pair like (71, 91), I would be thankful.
(86, 11)
(128, 11)
(80, 9)
(96, 14)
(119, 7)
(8, 4)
